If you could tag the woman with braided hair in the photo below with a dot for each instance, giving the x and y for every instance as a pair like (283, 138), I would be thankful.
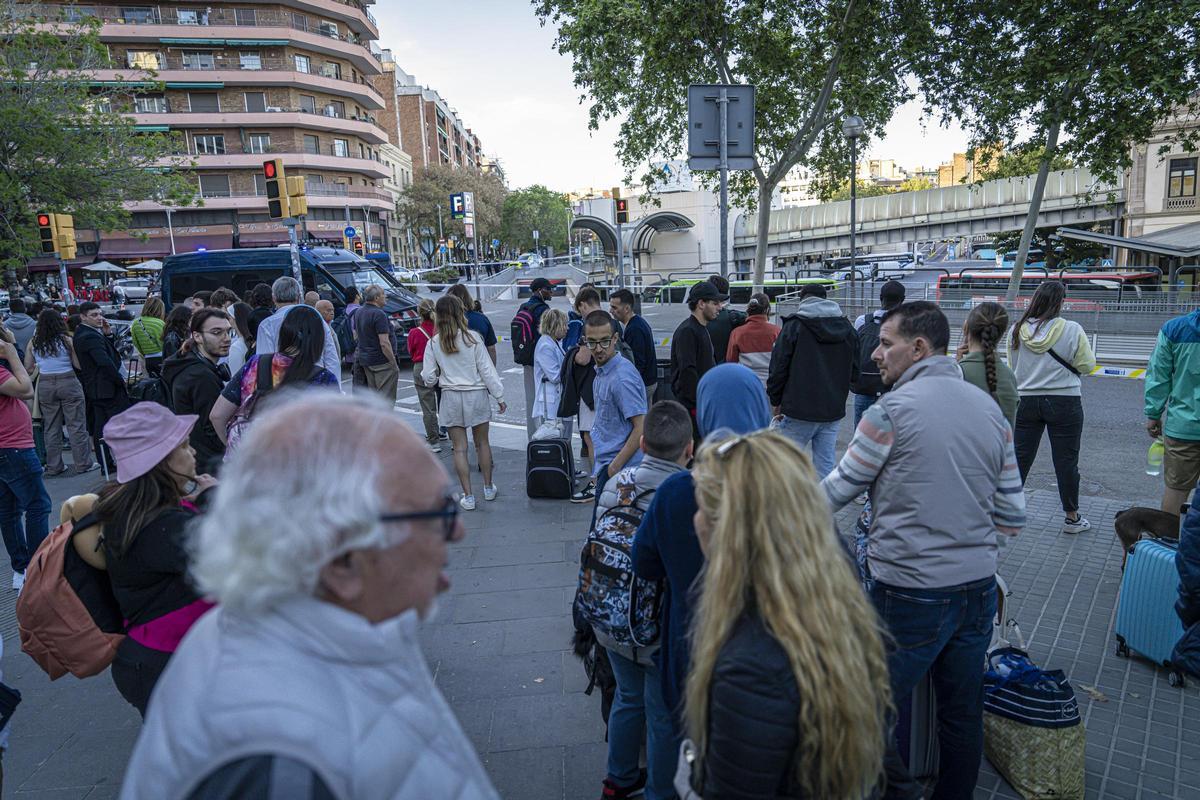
(982, 334)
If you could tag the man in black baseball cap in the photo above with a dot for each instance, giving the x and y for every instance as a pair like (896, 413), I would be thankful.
(692, 347)
(540, 285)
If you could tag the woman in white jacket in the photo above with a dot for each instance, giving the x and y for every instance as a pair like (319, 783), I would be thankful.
(457, 361)
(1048, 354)
(547, 364)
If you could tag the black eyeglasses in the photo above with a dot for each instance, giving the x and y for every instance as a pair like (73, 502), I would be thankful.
(448, 514)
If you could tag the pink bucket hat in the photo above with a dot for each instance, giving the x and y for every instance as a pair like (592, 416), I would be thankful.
(142, 436)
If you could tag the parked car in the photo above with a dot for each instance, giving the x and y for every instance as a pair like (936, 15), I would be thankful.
(136, 290)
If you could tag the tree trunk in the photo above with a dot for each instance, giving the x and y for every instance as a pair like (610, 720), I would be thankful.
(1035, 206)
(764, 227)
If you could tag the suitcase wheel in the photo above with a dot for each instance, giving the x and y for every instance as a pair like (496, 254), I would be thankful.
(1175, 678)
(1122, 648)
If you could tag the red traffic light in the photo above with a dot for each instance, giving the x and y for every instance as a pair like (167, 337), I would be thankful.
(43, 220)
(269, 169)
(622, 205)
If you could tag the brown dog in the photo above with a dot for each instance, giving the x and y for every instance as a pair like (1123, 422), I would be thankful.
(1134, 523)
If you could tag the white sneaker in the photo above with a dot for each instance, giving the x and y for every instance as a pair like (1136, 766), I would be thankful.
(434, 447)
(18, 581)
(1078, 526)
(489, 492)
(467, 502)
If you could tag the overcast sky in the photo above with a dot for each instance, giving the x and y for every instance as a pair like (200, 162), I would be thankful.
(493, 62)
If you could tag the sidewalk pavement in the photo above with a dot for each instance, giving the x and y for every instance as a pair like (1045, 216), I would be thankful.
(499, 647)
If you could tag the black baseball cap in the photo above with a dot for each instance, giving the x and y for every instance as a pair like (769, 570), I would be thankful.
(705, 291)
(538, 284)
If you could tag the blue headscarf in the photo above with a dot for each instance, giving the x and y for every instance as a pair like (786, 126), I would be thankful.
(731, 396)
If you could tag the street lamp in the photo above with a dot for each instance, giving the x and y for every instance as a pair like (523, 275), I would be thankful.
(852, 128)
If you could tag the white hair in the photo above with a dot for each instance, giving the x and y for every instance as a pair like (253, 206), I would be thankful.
(285, 290)
(303, 488)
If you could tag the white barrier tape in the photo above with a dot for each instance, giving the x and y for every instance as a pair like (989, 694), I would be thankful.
(1118, 372)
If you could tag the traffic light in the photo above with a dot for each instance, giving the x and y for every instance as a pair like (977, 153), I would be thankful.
(622, 211)
(297, 200)
(46, 233)
(65, 236)
(358, 247)
(277, 195)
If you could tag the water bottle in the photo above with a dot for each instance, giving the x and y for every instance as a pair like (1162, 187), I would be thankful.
(1154, 458)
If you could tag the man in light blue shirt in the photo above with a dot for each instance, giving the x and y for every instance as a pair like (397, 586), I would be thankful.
(620, 400)
(285, 292)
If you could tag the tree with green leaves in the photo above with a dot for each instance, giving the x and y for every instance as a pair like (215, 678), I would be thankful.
(428, 198)
(1070, 79)
(1022, 162)
(535, 209)
(68, 145)
(863, 189)
(1060, 252)
(812, 63)
(916, 185)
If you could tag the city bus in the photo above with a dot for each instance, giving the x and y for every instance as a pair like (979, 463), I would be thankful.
(740, 291)
(1084, 289)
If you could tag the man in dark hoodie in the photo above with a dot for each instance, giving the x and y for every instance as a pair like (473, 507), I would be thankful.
(721, 327)
(812, 366)
(196, 378)
(21, 324)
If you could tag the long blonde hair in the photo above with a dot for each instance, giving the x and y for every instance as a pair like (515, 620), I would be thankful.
(778, 550)
(451, 323)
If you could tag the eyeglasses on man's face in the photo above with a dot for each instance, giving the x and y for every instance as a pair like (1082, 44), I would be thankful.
(447, 512)
(599, 344)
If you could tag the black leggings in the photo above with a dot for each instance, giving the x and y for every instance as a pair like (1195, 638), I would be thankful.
(135, 670)
(1061, 416)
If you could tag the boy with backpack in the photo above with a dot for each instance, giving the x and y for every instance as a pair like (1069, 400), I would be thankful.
(624, 611)
(868, 387)
(525, 332)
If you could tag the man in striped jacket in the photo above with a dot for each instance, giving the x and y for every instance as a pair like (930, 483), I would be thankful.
(936, 455)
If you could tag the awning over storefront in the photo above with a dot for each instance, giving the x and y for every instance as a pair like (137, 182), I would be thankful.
(51, 264)
(262, 238)
(160, 246)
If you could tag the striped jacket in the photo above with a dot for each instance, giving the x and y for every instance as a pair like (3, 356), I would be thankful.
(750, 345)
(937, 457)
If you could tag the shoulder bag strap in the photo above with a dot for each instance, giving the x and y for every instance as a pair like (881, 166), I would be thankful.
(1063, 361)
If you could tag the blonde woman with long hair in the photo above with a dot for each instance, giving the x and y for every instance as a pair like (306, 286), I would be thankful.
(457, 361)
(788, 693)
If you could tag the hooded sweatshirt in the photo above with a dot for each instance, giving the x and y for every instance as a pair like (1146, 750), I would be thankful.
(730, 398)
(814, 362)
(195, 384)
(22, 326)
(1173, 379)
(1038, 373)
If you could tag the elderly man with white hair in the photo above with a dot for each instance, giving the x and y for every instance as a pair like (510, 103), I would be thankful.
(285, 293)
(308, 680)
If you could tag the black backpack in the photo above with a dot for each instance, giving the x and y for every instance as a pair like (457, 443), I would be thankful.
(152, 389)
(524, 336)
(343, 329)
(869, 380)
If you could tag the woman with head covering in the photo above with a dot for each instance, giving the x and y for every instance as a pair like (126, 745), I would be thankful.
(145, 514)
(730, 398)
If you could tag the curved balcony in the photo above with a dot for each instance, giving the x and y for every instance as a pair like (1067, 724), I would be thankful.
(367, 131)
(233, 161)
(176, 78)
(327, 195)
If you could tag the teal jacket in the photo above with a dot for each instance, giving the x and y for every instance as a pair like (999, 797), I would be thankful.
(1173, 378)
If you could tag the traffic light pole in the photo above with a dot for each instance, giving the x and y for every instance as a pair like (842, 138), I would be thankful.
(723, 102)
(294, 247)
(68, 295)
(620, 258)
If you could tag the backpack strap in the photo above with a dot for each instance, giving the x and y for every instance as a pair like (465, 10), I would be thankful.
(265, 377)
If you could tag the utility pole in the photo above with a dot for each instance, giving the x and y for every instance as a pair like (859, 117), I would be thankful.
(723, 111)
(440, 235)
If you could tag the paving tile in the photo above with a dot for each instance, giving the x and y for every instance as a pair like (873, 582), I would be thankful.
(522, 675)
(585, 766)
(534, 772)
(514, 604)
(559, 719)
(541, 634)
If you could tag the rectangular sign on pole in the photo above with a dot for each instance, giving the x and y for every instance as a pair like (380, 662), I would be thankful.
(704, 126)
(469, 229)
(458, 206)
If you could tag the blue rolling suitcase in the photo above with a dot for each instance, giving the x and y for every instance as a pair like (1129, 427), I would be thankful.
(1146, 618)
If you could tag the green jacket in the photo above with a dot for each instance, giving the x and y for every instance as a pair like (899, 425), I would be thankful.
(975, 371)
(1173, 378)
(147, 334)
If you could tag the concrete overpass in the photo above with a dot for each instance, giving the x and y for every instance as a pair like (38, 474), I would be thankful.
(1073, 197)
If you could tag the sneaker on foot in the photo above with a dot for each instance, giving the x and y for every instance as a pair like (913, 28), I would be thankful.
(489, 492)
(613, 792)
(467, 502)
(443, 435)
(95, 465)
(54, 473)
(1077, 525)
(585, 495)
(434, 447)
(18, 580)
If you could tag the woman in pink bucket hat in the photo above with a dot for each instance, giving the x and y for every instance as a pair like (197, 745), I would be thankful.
(145, 514)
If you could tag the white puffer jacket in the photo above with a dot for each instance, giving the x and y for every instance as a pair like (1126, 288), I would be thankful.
(313, 682)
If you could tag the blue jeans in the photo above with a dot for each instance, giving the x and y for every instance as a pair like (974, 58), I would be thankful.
(947, 631)
(638, 712)
(24, 504)
(861, 403)
(821, 435)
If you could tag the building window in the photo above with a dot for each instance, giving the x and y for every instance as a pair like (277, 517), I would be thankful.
(143, 59)
(256, 101)
(78, 13)
(214, 186)
(331, 69)
(102, 105)
(330, 29)
(362, 150)
(258, 143)
(199, 59)
(150, 105)
(1181, 180)
(245, 16)
(191, 16)
(204, 102)
(260, 184)
(138, 15)
(303, 64)
(208, 144)
(250, 60)
(341, 147)
(308, 104)
(300, 22)
(312, 145)
(335, 108)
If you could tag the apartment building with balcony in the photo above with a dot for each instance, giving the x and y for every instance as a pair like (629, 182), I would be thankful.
(1161, 188)
(241, 83)
(430, 130)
